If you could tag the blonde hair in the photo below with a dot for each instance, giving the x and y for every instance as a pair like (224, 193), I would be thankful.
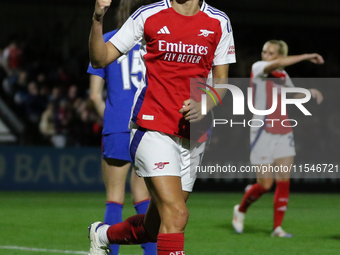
(283, 47)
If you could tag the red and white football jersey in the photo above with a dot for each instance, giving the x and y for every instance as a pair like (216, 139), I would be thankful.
(174, 49)
(263, 85)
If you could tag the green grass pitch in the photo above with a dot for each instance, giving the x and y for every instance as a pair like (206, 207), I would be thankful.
(59, 221)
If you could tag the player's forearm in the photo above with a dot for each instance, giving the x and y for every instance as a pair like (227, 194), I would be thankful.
(97, 46)
(99, 53)
(316, 94)
(211, 102)
(99, 104)
(291, 60)
(220, 75)
(298, 95)
(285, 61)
(96, 93)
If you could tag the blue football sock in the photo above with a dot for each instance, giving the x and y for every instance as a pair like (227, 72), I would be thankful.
(149, 248)
(113, 215)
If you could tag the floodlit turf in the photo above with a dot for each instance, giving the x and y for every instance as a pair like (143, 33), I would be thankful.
(59, 221)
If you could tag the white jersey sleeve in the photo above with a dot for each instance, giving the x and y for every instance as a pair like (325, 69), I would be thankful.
(289, 82)
(258, 69)
(225, 51)
(129, 34)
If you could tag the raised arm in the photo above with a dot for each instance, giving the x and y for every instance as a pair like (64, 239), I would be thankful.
(291, 60)
(316, 94)
(101, 53)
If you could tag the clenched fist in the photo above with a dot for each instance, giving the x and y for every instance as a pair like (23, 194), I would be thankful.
(100, 9)
(316, 59)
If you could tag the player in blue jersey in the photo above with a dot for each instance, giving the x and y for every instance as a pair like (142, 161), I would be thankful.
(122, 78)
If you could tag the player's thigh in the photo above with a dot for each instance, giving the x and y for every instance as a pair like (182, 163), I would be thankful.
(114, 179)
(116, 158)
(155, 153)
(166, 193)
(284, 155)
(285, 164)
(139, 191)
(160, 159)
(285, 149)
(262, 147)
(191, 157)
(158, 154)
(115, 165)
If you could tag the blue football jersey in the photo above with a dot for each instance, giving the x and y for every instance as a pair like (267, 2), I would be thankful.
(122, 77)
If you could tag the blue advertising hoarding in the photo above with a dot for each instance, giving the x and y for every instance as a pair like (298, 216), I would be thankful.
(45, 168)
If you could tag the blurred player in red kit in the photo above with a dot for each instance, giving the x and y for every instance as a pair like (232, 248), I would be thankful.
(272, 144)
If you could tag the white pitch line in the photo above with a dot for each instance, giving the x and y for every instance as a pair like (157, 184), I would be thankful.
(8, 247)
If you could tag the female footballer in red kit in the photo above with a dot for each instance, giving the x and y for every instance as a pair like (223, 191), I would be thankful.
(272, 144)
(180, 39)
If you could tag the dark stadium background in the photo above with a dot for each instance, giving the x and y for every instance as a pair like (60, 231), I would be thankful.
(53, 36)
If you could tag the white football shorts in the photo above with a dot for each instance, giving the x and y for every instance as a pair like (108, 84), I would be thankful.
(266, 147)
(158, 154)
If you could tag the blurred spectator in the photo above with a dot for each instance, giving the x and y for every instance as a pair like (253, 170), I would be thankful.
(20, 89)
(64, 117)
(74, 98)
(11, 60)
(34, 103)
(55, 95)
(46, 125)
(91, 123)
(62, 75)
(3, 73)
(12, 57)
(1, 57)
(43, 87)
(46, 91)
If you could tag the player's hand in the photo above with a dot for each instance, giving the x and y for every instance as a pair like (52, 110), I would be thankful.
(316, 59)
(317, 95)
(191, 111)
(100, 9)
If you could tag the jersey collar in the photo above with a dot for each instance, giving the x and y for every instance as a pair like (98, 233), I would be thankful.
(168, 4)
